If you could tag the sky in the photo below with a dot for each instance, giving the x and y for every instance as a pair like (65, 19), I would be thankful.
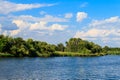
(56, 21)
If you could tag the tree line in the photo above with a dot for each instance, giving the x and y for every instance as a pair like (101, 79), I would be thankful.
(80, 46)
(19, 47)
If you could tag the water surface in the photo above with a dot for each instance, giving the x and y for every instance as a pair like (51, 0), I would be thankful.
(60, 68)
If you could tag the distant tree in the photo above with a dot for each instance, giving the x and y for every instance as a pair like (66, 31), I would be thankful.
(79, 45)
(106, 48)
(73, 44)
(19, 47)
(96, 49)
(60, 47)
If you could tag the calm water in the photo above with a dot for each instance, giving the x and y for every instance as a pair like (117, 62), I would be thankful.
(60, 68)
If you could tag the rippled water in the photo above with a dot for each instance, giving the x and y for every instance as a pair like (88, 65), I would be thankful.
(60, 68)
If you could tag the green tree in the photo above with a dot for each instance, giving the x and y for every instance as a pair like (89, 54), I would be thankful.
(106, 48)
(60, 47)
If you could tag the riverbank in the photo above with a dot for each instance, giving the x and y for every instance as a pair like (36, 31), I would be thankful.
(75, 47)
(59, 54)
(6, 55)
(75, 54)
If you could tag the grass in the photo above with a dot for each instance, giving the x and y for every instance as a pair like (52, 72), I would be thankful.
(75, 54)
(6, 55)
(113, 52)
(68, 54)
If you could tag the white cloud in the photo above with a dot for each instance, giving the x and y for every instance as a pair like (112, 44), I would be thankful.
(8, 7)
(0, 28)
(109, 21)
(93, 33)
(26, 18)
(58, 27)
(22, 27)
(27, 23)
(0, 25)
(14, 32)
(21, 24)
(49, 18)
(68, 15)
(84, 4)
(46, 18)
(43, 26)
(5, 32)
(38, 26)
(8, 26)
(112, 19)
(81, 16)
(42, 12)
(104, 31)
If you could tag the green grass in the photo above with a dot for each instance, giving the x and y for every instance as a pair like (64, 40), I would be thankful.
(111, 52)
(44, 55)
(74, 54)
(68, 54)
(6, 55)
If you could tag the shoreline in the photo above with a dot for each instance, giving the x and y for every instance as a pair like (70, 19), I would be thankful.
(60, 54)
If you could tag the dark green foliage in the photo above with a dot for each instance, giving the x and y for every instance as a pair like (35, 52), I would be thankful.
(82, 46)
(6, 55)
(19, 47)
(60, 47)
(113, 51)
(105, 49)
(74, 47)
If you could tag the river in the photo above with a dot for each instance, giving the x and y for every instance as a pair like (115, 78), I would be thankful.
(60, 68)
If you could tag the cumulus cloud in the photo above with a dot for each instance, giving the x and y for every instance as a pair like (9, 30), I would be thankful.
(46, 18)
(39, 26)
(43, 26)
(68, 15)
(106, 31)
(23, 28)
(109, 22)
(8, 7)
(81, 16)
(9, 26)
(102, 28)
(93, 33)
(50, 18)
(58, 27)
(0, 29)
(0, 25)
(21, 24)
(24, 24)
(14, 32)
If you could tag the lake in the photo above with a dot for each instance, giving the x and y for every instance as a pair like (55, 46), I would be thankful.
(60, 68)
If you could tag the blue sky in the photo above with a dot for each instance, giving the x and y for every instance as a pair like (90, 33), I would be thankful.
(56, 21)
